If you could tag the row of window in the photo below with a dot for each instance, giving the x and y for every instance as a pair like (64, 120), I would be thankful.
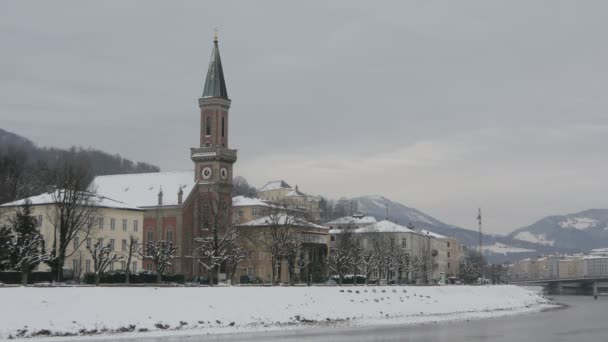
(150, 234)
(392, 241)
(99, 221)
(88, 267)
(125, 223)
(124, 246)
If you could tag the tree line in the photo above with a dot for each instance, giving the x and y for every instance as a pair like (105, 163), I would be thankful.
(27, 170)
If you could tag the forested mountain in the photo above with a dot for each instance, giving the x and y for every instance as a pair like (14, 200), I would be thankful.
(26, 169)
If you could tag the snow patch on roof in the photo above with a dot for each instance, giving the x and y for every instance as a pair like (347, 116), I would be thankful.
(242, 201)
(49, 198)
(356, 219)
(273, 185)
(379, 227)
(281, 219)
(141, 189)
(435, 235)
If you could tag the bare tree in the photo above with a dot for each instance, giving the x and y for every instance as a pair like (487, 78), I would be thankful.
(401, 261)
(234, 258)
(278, 239)
(341, 256)
(426, 266)
(369, 264)
(75, 205)
(103, 257)
(133, 251)
(294, 255)
(384, 247)
(160, 252)
(471, 267)
(219, 235)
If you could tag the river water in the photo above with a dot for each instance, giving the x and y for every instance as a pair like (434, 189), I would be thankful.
(582, 320)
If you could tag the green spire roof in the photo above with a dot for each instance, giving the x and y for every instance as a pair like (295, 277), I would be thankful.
(215, 85)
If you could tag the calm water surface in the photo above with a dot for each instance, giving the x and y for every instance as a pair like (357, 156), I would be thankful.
(584, 320)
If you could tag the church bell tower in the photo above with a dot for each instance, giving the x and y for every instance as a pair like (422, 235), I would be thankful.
(213, 160)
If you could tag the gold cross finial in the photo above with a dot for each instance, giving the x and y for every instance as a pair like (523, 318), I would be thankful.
(215, 34)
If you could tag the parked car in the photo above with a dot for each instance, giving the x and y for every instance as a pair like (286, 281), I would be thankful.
(250, 279)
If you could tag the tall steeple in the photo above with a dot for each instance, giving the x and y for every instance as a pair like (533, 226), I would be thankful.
(215, 85)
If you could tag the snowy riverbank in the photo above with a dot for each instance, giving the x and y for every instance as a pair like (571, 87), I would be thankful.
(182, 310)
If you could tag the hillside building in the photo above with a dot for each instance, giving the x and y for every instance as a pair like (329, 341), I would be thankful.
(354, 221)
(281, 192)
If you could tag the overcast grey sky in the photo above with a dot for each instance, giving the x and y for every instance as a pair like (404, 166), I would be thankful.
(442, 105)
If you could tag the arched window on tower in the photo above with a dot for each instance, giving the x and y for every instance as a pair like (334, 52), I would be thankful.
(170, 234)
(208, 126)
(223, 128)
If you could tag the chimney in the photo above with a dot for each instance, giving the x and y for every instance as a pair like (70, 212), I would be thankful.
(180, 195)
(160, 196)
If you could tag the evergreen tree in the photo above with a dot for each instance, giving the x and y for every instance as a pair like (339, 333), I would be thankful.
(27, 245)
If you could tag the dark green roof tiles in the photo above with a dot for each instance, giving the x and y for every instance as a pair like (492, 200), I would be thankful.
(215, 85)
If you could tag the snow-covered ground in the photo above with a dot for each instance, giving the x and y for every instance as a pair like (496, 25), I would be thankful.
(535, 238)
(198, 310)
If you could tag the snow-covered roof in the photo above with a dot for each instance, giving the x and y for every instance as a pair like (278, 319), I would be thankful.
(49, 198)
(242, 201)
(435, 235)
(281, 219)
(587, 257)
(357, 219)
(141, 189)
(599, 250)
(380, 227)
(294, 193)
(273, 185)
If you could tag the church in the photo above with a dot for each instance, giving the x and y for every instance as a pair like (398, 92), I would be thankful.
(175, 202)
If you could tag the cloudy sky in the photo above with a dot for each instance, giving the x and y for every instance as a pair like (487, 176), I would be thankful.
(444, 106)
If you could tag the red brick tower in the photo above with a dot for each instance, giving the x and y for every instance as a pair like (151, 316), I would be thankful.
(213, 160)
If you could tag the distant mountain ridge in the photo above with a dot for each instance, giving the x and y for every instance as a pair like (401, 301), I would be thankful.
(588, 225)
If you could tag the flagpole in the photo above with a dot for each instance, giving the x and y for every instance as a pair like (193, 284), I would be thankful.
(480, 235)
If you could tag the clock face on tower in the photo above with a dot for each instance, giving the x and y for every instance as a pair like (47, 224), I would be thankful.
(206, 173)
(224, 173)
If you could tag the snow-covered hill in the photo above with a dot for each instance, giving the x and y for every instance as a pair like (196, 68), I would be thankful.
(582, 231)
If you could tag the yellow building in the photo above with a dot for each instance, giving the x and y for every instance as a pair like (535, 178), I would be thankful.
(247, 209)
(281, 192)
(111, 221)
(569, 268)
(448, 254)
(256, 238)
